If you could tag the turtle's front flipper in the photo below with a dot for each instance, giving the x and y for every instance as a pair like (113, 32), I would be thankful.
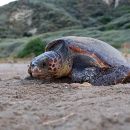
(84, 75)
(97, 76)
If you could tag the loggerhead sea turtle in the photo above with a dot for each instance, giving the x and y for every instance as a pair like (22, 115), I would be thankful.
(83, 59)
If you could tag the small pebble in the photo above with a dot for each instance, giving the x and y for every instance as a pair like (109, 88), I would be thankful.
(86, 84)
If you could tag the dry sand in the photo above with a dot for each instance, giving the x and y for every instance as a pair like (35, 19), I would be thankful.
(38, 105)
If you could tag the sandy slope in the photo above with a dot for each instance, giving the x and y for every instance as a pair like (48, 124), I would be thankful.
(35, 105)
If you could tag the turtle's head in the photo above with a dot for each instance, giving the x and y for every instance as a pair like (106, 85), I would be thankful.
(46, 65)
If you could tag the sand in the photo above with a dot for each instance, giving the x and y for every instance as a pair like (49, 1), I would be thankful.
(38, 105)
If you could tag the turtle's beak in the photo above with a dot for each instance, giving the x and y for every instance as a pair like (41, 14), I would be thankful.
(34, 71)
(29, 70)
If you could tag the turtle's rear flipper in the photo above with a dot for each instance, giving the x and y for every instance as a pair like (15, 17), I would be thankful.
(112, 76)
(97, 76)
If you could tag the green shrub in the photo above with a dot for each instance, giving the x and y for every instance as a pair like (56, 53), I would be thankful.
(126, 26)
(35, 46)
(117, 46)
(105, 19)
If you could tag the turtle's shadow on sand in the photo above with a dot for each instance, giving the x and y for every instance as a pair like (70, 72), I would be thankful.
(48, 81)
(28, 80)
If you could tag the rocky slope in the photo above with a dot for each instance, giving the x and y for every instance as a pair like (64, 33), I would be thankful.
(28, 17)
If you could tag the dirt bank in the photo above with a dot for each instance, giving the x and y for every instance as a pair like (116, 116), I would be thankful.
(38, 105)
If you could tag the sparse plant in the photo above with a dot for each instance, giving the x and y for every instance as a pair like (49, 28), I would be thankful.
(35, 46)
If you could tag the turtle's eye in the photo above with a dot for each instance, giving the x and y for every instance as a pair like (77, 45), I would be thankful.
(43, 64)
(32, 64)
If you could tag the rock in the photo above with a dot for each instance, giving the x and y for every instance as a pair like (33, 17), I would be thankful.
(17, 77)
